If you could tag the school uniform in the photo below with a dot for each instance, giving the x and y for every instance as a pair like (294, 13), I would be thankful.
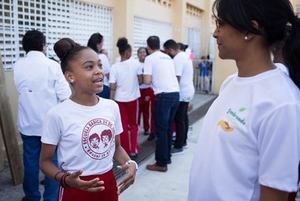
(85, 139)
(146, 104)
(125, 75)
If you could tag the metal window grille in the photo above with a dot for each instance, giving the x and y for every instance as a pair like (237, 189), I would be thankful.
(143, 28)
(55, 18)
(193, 39)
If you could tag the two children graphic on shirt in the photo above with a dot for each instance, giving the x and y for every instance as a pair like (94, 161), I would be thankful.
(95, 139)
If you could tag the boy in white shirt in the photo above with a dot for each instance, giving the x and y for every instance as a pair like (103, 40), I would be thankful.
(159, 70)
(184, 72)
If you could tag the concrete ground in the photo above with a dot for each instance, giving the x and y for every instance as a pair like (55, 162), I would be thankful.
(169, 186)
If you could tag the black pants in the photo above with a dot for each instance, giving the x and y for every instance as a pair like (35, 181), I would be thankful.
(182, 124)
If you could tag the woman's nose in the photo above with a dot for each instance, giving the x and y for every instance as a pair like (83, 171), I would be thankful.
(215, 34)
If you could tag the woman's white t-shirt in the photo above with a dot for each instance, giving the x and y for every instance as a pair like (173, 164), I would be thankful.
(125, 75)
(250, 137)
(84, 135)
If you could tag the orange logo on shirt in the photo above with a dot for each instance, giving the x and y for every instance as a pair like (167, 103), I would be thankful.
(225, 126)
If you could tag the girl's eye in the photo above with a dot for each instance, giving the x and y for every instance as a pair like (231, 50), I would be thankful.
(89, 66)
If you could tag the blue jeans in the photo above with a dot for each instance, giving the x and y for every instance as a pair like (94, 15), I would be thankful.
(165, 109)
(31, 157)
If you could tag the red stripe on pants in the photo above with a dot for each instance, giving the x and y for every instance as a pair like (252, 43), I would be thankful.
(129, 136)
(109, 194)
(146, 103)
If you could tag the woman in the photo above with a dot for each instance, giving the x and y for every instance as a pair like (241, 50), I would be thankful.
(249, 145)
(75, 128)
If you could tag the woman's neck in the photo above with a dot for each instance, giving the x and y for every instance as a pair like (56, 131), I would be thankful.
(254, 62)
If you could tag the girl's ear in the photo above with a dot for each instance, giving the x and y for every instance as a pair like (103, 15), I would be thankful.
(69, 77)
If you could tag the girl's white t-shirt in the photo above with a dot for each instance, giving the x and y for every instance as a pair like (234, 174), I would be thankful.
(84, 135)
(105, 66)
(141, 72)
(125, 75)
(250, 137)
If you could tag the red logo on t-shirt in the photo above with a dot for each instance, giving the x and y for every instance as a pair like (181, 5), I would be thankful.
(97, 138)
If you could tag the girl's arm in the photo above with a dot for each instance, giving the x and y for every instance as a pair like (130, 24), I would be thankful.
(71, 180)
(271, 194)
(126, 164)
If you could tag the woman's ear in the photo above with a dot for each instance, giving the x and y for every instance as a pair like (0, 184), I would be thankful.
(255, 24)
(249, 36)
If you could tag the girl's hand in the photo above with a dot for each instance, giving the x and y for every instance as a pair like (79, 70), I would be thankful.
(130, 169)
(94, 185)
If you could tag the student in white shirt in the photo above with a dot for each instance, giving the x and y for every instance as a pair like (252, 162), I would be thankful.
(85, 131)
(159, 70)
(249, 145)
(184, 72)
(147, 99)
(95, 42)
(125, 91)
(41, 85)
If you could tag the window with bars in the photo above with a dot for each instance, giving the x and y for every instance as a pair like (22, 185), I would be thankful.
(143, 28)
(193, 36)
(55, 18)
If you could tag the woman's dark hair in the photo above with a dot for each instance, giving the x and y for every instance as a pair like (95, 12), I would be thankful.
(66, 49)
(95, 39)
(33, 40)
(143, 48)
(123, 45)
(276, 22)
(153, 42)
(182, 46)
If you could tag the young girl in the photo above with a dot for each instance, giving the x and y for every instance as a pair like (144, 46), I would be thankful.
(77, 127)
(125, 90)
(249, 146)
(96, 43)
(146, 101)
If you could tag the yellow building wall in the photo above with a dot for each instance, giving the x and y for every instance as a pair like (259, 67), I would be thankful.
(224, 68)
